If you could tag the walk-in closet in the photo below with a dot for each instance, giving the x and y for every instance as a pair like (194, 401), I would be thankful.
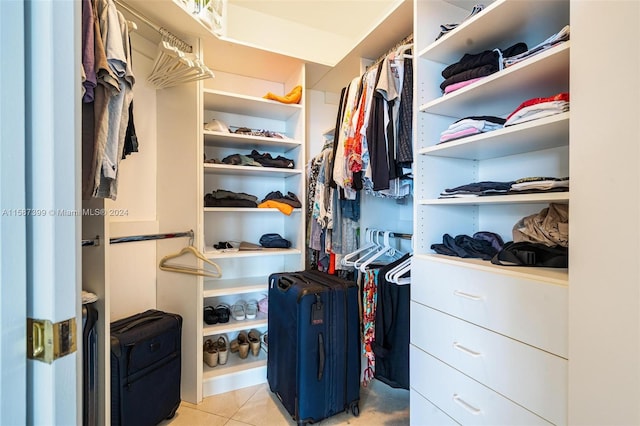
(429, 157)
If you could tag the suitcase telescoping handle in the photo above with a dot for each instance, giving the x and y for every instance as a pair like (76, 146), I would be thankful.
(320, 356)
(138, 322)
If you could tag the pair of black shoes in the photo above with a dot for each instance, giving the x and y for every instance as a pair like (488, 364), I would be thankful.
(219, 314)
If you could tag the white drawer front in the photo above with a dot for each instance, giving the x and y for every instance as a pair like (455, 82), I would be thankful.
(463, 399)
(424, 413)
(530, 311)
(533, 378)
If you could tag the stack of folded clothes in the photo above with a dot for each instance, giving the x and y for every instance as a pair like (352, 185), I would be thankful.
(473, 66)
(224, 198)
(284, 203)
(477, 189)
(559, 37)
(540, 184)
(483, 245)
(240, 160)
(469, 126)
(259, 132)
(267, 161)
(536, 108)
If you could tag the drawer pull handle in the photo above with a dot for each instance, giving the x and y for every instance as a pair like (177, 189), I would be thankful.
(467, 295)
(464, 404)
(468, 351)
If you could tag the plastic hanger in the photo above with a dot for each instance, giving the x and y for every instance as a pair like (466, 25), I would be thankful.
(395, 274)
(386, 250)
(184, 269)
(348, 259)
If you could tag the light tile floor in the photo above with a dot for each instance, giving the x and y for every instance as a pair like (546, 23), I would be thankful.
(258, 406)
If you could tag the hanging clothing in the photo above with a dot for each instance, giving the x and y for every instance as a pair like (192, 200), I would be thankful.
(392, 329)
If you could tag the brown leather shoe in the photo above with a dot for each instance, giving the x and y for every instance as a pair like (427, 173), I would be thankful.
(254, 342)
(243, 345)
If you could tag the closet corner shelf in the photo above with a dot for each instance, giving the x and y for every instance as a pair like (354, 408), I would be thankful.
(545, 74)
(233, 286)
(487, 29)
(245, 210)
(536, 135)
(235, 140)
(217, 100)
(233, 325)
(552, 197)
(555, 276)
(236, 365)
(226, 169)
(214, 254)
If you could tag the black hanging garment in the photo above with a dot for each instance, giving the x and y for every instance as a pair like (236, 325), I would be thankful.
(391, 344)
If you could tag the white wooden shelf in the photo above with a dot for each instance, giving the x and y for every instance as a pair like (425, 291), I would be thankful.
(227, 169)
(269, 210)
(500, 25)
(214, 254)
(545, 74)
(240, 141)
(552, 197)
(558, 276)
(536, 135)
(217, 100)
(232, 326)
(234, 286)
(235, 364)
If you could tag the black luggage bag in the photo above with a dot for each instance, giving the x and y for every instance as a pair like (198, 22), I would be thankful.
(145, 368)
(313, 363)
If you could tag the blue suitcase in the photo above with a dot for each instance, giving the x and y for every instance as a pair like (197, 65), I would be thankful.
(313, 363)
(145, 368)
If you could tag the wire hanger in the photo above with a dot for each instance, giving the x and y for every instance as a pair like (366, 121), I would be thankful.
(184, 269)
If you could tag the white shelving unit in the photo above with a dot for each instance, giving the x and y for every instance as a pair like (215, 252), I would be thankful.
(245, 273)
(476, 326)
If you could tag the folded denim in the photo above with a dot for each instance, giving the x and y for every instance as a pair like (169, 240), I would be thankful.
(274, 241)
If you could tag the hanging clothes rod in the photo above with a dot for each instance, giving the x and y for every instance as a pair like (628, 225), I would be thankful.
(394, 234)
(408, 39)
(176, 41)
(151, 237)
(94, 243)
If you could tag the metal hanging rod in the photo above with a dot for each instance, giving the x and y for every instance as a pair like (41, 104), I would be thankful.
(95, 242)
(173, 39)
(408, 39)
(151, 237)
(394, 234)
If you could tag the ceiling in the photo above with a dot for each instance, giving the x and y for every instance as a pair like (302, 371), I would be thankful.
(348, 18)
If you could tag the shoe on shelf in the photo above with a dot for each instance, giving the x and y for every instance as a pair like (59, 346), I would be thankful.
(222, 347)
(254, 342)
(209, 315)
(263, 339)
(237, 311)
(223, 312)
(210, 353)
(251, 309)
(243, 345)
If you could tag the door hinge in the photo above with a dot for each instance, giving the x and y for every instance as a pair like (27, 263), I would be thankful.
(47, 341)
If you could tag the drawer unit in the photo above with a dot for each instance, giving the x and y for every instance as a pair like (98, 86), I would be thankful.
(462, 398)
(529, 376)
(534, 312)
(424, 412)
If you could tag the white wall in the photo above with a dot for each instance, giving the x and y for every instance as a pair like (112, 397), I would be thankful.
(322, 110)
(133, 264)
(604, 290)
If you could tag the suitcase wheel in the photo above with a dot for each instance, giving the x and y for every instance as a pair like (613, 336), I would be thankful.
(355, 409)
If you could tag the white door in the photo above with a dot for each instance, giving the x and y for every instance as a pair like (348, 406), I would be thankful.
(39, 160)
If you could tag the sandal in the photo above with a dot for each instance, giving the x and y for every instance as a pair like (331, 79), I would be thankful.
(210, 353)
(209, 315)
(221, 345)
(243, 345)
(251, 309)
(237, 311)
(254, 342)
(223, 312)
